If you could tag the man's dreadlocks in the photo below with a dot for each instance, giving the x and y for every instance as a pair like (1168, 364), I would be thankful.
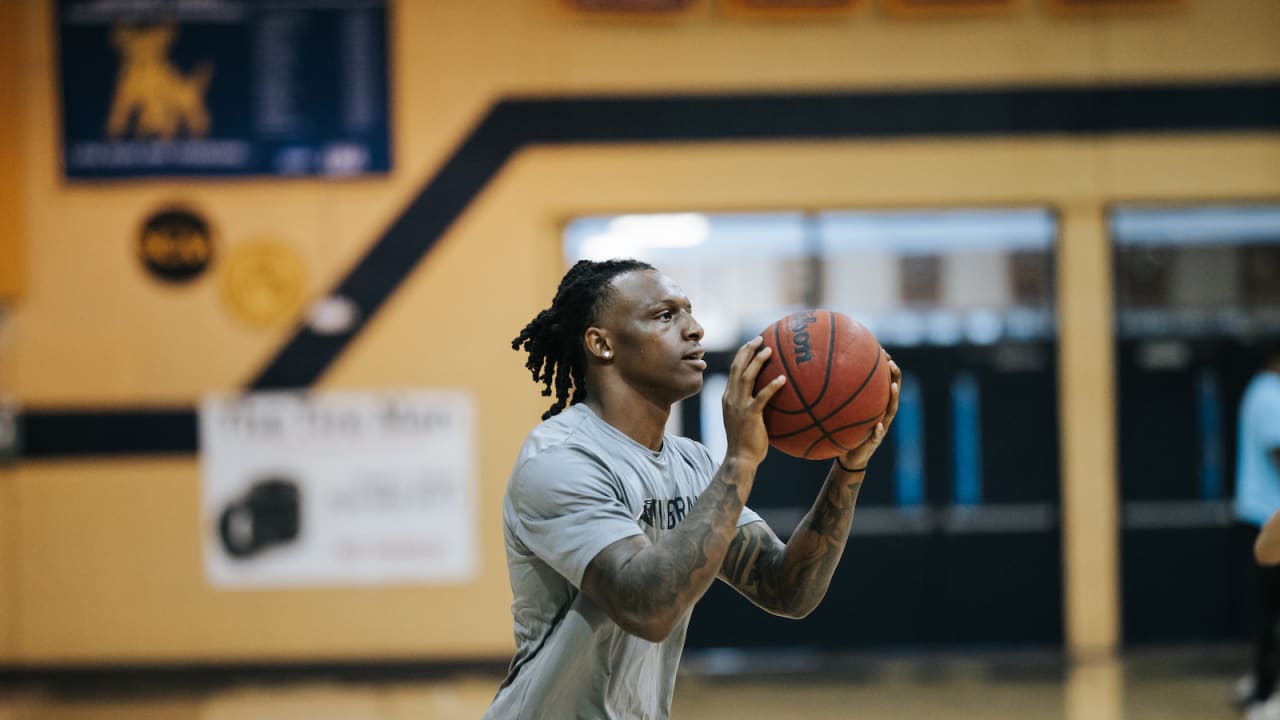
(553, 339)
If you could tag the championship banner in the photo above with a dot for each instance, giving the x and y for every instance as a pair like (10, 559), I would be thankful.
(946, 8)
(337, 489)
(1071, 7)
(791, 8)
(628, 7)
(223, 87)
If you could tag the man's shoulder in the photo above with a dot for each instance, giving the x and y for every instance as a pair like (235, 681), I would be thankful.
(566, 432)
(545, 482)
(557, 451)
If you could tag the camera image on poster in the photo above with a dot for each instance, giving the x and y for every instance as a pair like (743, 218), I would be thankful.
(337, 488)
(266, 516)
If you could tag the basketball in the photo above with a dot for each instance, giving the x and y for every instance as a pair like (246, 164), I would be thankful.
(837, 384)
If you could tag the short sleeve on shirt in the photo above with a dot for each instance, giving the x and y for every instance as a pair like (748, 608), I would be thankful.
(704, 456)
(567, 509)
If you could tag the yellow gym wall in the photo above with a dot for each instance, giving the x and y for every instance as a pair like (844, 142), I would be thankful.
(12, 187)
(11, 177)
(100, 559)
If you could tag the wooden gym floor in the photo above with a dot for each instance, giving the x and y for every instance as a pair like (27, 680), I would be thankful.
(1181, 684)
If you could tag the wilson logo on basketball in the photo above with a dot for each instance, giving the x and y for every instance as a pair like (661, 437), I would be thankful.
(800, 336)
(837, 388)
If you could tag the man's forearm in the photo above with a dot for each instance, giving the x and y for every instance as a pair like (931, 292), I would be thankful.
(790, 580)
(816, 546)
(649, 590)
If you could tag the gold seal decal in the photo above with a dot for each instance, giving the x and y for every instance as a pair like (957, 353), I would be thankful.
(264, 282)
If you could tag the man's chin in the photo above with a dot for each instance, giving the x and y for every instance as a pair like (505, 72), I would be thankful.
(693, 389)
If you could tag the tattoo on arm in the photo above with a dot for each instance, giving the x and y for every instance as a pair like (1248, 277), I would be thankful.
(750, 565)
(647, 587)
(791, 579)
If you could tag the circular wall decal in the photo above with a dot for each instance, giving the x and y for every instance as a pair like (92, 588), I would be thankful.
(264, 282)
(175, 244)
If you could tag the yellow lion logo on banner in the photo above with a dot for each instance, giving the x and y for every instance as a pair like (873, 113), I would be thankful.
(152, 92)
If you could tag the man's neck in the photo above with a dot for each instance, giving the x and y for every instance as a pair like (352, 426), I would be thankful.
(635, 416)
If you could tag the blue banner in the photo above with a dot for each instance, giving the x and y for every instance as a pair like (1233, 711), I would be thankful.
(909, 426)
(224, 87)
(1209, 416)
(966, 440)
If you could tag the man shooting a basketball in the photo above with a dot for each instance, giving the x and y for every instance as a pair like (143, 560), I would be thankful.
(614, 529)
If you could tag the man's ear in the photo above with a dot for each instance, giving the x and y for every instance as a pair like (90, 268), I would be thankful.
(598, 343)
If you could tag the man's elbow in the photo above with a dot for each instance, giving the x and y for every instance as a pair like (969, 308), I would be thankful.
(652, 628)
(793, 608)
(798, 612)
(656, 633)
(803, 604)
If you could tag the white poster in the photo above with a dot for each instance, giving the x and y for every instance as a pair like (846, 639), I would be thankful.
(337, 488)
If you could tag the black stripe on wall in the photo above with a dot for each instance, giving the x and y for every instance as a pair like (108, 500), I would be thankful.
(512, 124)
(86, 433)
(515, 123)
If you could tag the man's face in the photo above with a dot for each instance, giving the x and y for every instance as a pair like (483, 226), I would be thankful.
(655, 340)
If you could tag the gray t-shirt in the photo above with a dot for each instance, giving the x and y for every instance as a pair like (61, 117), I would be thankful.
(579, 485)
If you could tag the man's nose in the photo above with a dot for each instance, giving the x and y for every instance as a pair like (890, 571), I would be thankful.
(693, 330)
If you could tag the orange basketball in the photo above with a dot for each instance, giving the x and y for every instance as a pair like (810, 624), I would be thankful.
(837, 383)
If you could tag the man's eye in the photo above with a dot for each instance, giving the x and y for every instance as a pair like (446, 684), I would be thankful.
(665, 315)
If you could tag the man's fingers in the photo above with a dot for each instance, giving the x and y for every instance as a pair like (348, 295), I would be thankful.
(895, 392)
(744, 356)
(876, 437)
(762, 398)
(757, 361)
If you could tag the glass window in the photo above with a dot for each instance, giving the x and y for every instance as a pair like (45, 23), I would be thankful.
(941, 277)
(1197, 288)
(1202, 271)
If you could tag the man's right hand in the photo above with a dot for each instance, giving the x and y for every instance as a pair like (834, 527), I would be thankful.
(743, 407)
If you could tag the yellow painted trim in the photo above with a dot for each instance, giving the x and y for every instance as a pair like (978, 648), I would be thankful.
(1086, 397)
(12, 182)
(1095, 690)
(9, 618)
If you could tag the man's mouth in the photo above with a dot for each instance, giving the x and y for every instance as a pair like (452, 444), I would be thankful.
(696, 358)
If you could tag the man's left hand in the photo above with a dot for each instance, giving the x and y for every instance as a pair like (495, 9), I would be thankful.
(861, 455)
